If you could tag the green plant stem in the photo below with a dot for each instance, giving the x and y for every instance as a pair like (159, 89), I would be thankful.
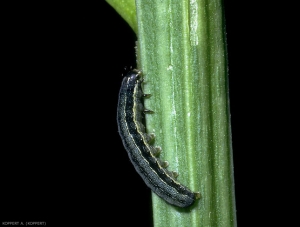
(182, 53)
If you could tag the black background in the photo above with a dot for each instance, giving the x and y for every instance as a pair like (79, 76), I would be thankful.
(63, 160)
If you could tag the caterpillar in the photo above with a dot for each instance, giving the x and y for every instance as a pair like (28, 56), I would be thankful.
(142, 155)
